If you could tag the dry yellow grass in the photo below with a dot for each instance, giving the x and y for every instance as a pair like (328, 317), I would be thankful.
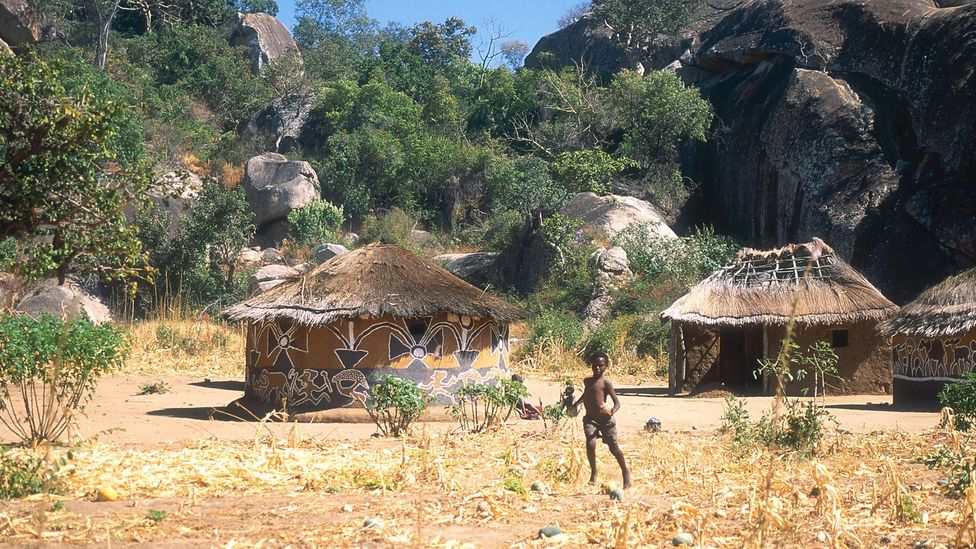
(443, 491)
(181, 346)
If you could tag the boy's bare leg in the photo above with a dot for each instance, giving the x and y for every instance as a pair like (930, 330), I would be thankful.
(591, 456)
(618, 453)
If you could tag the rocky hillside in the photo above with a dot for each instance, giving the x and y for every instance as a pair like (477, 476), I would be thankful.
(848, 120)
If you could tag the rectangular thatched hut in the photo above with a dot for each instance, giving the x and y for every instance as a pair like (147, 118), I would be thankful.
(323, 339)
(726, 324)
(933, 339)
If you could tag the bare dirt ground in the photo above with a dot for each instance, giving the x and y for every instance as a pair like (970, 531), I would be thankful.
(119, 414)
(187, 477)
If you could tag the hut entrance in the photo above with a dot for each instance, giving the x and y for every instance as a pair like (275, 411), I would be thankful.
(739, 355)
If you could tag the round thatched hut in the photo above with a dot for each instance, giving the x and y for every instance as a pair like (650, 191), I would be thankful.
(726, 324)
(322, 339)
(933, 339)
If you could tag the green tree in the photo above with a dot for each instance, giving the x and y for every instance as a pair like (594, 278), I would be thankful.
(257, 6)
(316, 222)
(65, 178)
(219, 223)
(638, 22)
(588, 171)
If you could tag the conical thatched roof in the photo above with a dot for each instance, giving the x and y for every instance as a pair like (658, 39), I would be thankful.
(944, 310)
(763, 287)
(373, 281)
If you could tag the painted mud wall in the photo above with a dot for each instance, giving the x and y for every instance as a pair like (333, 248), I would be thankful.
(922, 366)
(335, 365)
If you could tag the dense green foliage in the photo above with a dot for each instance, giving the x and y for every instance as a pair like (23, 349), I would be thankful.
(70, 165)
(315, 223)
(48, 371)
(482, 406)
(24, 473)
(395, 403)
(961, 397)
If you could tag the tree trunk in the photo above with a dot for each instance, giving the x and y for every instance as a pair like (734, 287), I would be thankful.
(104, 27)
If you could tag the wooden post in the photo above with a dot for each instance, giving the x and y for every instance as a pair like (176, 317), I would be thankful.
(672, 358)
(765, 357)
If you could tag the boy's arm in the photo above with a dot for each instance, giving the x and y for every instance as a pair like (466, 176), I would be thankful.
(613, 397)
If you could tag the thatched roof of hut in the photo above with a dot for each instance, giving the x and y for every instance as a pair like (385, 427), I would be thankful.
(944, 310)
(372, 281)
(806, 281)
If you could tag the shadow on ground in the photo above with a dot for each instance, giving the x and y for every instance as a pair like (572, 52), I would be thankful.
(226, 385)
(642, 391)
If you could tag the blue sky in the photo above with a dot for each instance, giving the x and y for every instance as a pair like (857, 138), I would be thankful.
(527, 20)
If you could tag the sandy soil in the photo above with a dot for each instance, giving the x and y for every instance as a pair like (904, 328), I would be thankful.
(173, 454)
(119, 414)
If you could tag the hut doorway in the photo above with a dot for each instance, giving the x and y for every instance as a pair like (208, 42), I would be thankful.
(739, 355)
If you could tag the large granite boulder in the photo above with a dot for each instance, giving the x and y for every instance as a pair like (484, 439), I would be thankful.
(588, 42)
(20, 23)
(278, 126)
(610, 268)
(68, 300)
(478, 268)
(325, 252)
(274, 186)
(266, 37)
(268, 277)
(608, 215)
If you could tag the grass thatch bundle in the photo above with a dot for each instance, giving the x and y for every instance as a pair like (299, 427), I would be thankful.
(944, 310)
(763, 287)
(373, 281)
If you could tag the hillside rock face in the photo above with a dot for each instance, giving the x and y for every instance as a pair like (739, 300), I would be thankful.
(274, 186)
(266, 37)
(19, 24)
(851, 120)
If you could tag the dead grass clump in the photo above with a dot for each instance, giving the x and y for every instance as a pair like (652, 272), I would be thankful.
(185, 346)
(231, 175)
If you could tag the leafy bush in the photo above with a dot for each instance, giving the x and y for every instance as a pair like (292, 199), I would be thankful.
(8, 252)
(54, 365)
(799, 429)
(554, 327)
(961, 397)
(480, 406)
(588, 170)
(959, 465)
(396, 403)
(316, 222)
(393, 227)
(686, 260)
(24, 473)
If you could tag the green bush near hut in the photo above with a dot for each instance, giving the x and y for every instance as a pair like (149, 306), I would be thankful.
(961, 397)
(481, 406)
(396, 403)
(65, 358)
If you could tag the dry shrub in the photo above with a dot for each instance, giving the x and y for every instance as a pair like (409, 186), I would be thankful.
(231, 175)
(185, 346)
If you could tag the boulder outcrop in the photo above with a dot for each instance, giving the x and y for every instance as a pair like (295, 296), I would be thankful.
(20, 23)
(274, 186)
(266, 38)
(478, 268)
(268, 277)
(587, 42)
(611, 214)
(68, 300)
(852, 120)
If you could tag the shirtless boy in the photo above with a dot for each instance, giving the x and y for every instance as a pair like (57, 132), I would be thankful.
(598, 420)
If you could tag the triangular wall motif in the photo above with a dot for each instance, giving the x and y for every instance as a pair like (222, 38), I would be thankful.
(349, 358)
(466, 359)
(397, 347)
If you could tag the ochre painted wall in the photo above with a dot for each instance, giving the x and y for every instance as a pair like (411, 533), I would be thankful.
(334, 365)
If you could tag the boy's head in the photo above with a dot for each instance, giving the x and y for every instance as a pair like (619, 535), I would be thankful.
(599, 362)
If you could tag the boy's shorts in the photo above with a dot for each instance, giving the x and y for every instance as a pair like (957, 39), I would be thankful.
(600, 428)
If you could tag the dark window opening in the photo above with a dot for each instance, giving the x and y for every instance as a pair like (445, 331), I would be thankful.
(839, 339)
